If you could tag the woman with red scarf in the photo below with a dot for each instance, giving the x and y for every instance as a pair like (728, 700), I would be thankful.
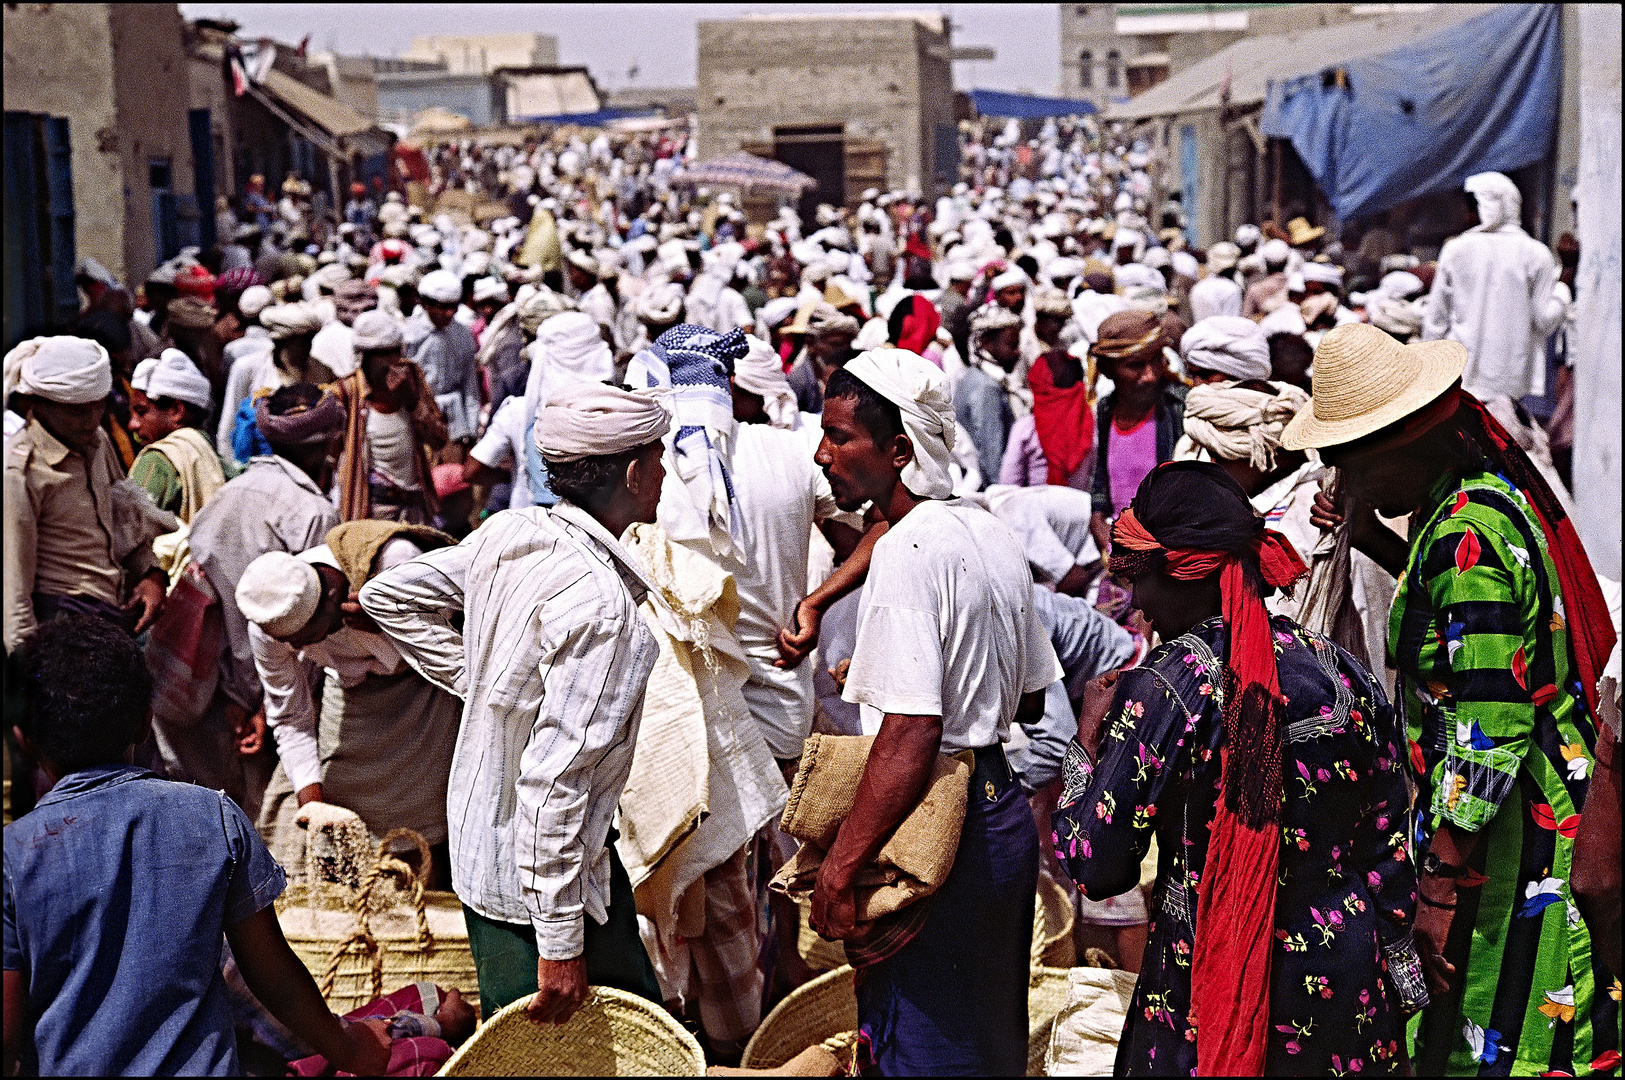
(1271, 769)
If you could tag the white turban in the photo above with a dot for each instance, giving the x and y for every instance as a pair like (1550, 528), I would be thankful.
(960, 270)
(1137, 275)
(570, 345)
(661, 303)
(489, 289)
(1247, 235)
(921, 393)
(673, 256)
(1229, 344)
(1400, 284)
(1498, 198)
(255, 299)
(441, 287)
(172, 375)
(476, 264)
(279, 593)
(1276, 251)
(291, 320)
(1125, 238)
(376, 330)
(66, 370)
(1286, 319)
(1185, 265)
(775, 311)
(760, 372)
(1013, 276)
(1238, 424)
(1322, 272)
(1156, 258)
(1394, 315)
(584, 419)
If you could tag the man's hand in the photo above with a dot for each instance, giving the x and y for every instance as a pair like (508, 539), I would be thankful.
(366, 1048)
(1098, 695)
(1433, 930)
(839, 672)
(309, 793)
(834, 908)
(248, 731)
(355, 618)
(795, 645)
(148, 595)
(561, 987)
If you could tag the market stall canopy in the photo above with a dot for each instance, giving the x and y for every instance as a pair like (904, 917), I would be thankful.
(1251, 63)
(740, 169)
(549, 93)
(437, 121)
(1481, 96)
(1027, 106)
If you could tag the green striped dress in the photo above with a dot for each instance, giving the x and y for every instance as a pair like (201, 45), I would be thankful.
(1502, 745)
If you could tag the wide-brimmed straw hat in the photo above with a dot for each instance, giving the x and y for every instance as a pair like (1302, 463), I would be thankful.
(1365, 380)
(1300, 232)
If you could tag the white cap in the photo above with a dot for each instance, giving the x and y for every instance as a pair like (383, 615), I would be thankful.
(1276, 251)
(255, 299)
(441, 287)
(279, 593)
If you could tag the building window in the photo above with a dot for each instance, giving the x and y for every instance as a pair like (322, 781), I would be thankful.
(1086, 70)
(1114, 66)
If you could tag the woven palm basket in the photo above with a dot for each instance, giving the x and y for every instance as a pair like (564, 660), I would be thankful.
(613, 1034)
(360, 944)
(1052, 925)
(825, 1011)
(820, 1009)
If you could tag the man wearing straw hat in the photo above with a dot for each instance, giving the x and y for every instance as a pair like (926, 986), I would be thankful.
(949, 650)
(1500, 633)
(552, 662)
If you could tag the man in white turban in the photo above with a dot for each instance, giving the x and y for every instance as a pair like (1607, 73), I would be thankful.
(446, 355)
(1270, 291)
(1494, 291)
(70, 537)
(542, 759)
(1225, 347)
(949, 651)
(1219, 293)
(169, 403)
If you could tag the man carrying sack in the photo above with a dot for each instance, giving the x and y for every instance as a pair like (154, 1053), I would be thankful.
(949, 650)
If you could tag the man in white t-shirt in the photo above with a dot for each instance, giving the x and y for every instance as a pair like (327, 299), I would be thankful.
(949, 650)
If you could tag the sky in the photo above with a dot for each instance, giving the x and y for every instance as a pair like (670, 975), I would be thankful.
(658, 39)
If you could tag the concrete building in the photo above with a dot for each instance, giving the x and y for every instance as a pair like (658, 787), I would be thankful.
(1111, 52)
(351, 81)
(481, 54)
(855, 101)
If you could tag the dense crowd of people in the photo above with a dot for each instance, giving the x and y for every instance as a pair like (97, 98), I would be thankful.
(581, 523)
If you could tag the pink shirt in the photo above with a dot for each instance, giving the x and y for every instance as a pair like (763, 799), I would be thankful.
(1131, 457)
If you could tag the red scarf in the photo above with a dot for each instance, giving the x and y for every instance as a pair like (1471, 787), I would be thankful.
(920, 325)
(1235, 901)
(1064, 421)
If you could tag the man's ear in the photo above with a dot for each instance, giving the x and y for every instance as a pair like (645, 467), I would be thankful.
(902, 452)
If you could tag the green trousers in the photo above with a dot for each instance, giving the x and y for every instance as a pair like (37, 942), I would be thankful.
(505, 953)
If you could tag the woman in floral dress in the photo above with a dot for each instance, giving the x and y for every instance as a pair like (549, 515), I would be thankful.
(1280, 940)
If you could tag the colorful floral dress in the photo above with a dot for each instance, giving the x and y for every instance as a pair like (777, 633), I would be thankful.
(1502, 745)
(1344, 964)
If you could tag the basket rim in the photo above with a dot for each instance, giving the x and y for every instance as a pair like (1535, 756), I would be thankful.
(792, 1001)
(661, 1018)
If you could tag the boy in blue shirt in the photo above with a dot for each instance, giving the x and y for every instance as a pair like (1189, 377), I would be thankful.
(120, 888)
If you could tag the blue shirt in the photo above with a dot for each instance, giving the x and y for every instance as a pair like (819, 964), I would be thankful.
(118, 889)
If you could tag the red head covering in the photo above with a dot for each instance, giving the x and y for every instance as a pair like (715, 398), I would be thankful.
(919, 325)
(1235, 901)
(1063, 419)
(195, 281)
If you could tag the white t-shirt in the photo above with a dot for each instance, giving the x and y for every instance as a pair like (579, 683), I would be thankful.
(503, 447)
(949, 628)
(1052, 523)
(394, 457)
(782, 493)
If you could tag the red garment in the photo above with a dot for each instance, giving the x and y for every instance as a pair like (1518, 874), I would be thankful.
(419, 1056)
(920, 326)
(1064, 421)
(1235, 900)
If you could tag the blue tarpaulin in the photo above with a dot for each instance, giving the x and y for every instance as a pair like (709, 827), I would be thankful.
(1480, 96)
(1027, 106)
(592, 119)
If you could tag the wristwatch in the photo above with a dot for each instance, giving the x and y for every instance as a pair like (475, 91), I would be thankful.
(1433, 866)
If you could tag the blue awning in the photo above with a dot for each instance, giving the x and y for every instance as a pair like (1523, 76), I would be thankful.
(1480, 96)
(592, 119)
(1027, 106)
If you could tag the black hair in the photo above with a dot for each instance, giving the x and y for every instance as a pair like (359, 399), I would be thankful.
(1029, 265)
(591, 479)
(291, 397)
(87, 691)
(105, 328)
(192, 414)
(880, 417)
(894, 322)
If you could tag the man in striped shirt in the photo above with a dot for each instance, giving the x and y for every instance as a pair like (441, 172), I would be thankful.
(552, 662)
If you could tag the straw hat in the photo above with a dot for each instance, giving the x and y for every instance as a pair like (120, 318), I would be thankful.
(1300, 232)
(1366, 380)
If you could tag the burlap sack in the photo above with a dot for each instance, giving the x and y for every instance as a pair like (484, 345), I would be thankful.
(913, 862)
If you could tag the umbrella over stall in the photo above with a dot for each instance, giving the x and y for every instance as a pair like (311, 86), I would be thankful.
(744, 170)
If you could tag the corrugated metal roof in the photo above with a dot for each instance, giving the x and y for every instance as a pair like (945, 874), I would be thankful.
(1253, 62)
(329, 114)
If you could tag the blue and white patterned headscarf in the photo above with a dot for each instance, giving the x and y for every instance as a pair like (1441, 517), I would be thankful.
(695, 363)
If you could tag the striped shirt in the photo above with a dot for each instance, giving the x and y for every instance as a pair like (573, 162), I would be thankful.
(552, 664)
